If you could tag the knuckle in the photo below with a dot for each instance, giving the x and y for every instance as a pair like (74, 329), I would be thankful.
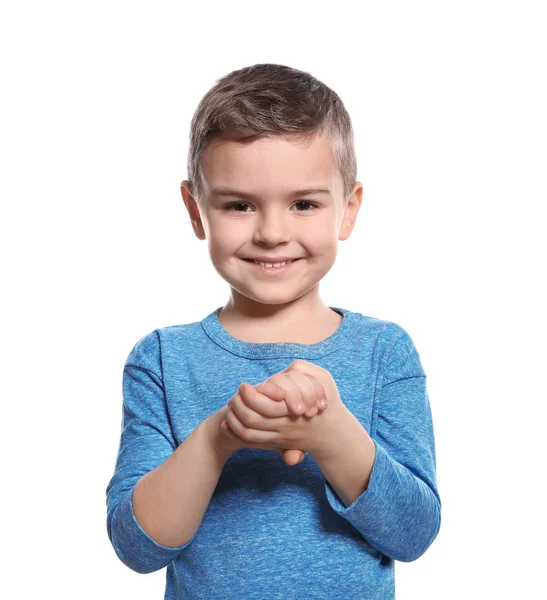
(298, 363)
(277, 380)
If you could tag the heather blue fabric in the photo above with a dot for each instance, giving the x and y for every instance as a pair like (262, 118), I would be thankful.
(272, 531)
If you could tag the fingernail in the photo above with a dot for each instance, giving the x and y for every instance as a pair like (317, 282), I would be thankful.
(323, 403)
(300, 406)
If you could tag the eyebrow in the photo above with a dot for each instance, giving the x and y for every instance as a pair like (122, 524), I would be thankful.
(228, 192)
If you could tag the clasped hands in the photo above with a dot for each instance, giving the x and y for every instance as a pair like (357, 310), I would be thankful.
(287, 412)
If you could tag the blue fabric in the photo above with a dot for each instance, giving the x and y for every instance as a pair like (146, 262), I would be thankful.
(272, 531)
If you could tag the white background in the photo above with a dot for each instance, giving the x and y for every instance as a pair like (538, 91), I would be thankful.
(448, 102)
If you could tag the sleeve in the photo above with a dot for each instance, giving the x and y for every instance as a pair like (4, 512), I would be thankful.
(146, 442)
(399, 513)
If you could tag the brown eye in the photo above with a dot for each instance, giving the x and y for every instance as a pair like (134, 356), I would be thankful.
(230, 207)
(311, 204)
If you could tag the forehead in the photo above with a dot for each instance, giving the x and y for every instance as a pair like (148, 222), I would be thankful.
(270, 165)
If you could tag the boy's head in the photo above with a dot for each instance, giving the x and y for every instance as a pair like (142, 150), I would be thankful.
(266, 132)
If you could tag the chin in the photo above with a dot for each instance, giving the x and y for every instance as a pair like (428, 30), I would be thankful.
(268, 300)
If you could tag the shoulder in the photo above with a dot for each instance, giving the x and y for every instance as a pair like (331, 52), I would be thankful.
(388, 333)
(150, 349)
(146, 353)
(392, 342)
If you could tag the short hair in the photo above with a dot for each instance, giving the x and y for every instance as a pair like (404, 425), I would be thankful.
(266, 100)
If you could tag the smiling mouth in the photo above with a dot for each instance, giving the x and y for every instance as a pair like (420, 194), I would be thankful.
(282, 263)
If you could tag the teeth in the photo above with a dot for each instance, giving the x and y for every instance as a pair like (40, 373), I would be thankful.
(269, 265)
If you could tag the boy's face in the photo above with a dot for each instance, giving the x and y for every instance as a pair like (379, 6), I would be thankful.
(272, 220)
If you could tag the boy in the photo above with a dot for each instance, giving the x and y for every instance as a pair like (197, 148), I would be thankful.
(271, 181)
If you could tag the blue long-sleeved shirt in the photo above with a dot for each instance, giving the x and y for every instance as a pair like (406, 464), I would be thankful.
(272, 531)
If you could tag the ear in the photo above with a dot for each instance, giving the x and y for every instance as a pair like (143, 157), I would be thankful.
(351, 210)
(193, 209)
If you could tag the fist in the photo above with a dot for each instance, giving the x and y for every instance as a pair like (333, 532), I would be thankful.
(281, 395)
(300, 398)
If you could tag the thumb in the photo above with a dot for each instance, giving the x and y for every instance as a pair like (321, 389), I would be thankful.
(292, 457)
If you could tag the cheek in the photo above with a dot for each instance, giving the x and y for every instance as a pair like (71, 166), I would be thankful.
(221, 234)
(225, 242)
(322, 239)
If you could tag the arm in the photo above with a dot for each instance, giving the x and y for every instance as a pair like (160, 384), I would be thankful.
(395, 505)
(159, 493)
(347, 466)
(170, 501)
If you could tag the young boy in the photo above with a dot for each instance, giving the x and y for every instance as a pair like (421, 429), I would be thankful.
(196, 487)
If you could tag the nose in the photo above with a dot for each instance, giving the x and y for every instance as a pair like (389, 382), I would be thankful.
(272, 227)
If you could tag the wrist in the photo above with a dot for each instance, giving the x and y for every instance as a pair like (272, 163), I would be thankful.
(331, 439)
(221, 445)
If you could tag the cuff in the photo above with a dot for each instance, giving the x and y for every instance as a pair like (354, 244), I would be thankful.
(367, 510)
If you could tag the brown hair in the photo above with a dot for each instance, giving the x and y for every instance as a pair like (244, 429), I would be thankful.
(265, 100)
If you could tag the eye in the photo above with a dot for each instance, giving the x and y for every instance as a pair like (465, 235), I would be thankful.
(235, 206)
(312, 204)
(231, 206)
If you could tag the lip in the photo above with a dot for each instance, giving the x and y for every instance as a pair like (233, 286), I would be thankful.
(271, 259)
(272, 271)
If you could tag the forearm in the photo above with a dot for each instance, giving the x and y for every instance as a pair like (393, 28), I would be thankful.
(346, 459)
(400, 513)
(170, 501)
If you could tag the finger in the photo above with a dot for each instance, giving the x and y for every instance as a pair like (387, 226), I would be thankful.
(248, 434)
(241, 405)
(293, 395)
(229, 433)
(292, 457)
(316, 375)
(262, 406)
(307, 390)
(320, 392)
(313, 392)
(226, 430)
(271, 390)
